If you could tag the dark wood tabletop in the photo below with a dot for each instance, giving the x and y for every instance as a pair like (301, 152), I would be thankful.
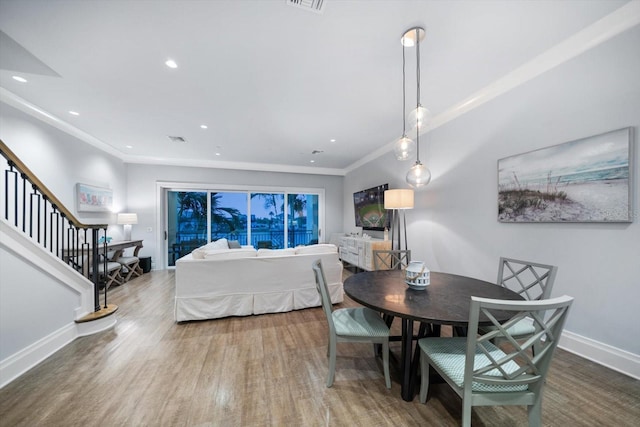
(446, 301)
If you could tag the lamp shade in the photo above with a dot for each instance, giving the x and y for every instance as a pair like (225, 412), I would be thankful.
(127, 218)
(400, 198)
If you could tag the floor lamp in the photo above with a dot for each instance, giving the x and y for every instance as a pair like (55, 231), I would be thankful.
(398, 201)
(127, 219)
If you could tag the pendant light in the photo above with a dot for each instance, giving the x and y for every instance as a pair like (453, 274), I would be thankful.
(418, 175)
(403, 148)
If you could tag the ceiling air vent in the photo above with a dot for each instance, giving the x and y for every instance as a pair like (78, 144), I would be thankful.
(316, 6)
(177, 139)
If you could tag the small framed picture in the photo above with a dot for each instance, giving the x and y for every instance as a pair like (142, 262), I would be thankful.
(93, 199)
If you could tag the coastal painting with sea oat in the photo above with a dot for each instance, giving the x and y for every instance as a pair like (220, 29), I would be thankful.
(587, 180)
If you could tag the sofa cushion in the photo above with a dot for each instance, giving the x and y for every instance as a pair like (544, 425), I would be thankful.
(276, 252)
(234, 244)
(323, 248)
(218, 254)
(218, 244)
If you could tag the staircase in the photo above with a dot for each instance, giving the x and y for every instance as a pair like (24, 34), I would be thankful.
(50, 278)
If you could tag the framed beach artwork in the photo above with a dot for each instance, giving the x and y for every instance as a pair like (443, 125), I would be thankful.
(93, 199)
(587, 180)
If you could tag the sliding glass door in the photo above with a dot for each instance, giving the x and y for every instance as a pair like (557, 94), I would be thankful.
(302, 221)
(267, 220)
(275, 220)
(187, 222)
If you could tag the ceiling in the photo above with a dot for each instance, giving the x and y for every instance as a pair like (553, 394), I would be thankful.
(272, 83)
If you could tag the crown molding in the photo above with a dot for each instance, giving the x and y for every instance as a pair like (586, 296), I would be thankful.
(25, 106)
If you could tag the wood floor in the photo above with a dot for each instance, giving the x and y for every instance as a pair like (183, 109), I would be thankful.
(266, 370)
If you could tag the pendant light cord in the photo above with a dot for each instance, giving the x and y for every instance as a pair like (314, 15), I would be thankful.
(418, 94)
(404, 124)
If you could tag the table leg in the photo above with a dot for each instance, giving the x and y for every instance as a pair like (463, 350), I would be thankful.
(407, 337)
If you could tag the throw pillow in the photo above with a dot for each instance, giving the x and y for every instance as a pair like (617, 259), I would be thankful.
(219, 244)
(234, 244)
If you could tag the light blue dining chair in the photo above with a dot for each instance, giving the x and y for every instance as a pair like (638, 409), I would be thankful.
(353, 324)
(531, 280)
(483, 374)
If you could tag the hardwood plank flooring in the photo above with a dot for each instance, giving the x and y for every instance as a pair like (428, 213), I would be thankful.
(267, 370)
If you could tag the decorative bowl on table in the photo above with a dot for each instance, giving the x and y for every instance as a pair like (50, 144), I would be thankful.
(417, 275)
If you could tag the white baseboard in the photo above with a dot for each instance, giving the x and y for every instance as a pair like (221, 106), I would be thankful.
(619, 360)
(19, 363)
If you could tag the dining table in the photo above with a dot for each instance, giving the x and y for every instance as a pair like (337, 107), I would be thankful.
(445, 301)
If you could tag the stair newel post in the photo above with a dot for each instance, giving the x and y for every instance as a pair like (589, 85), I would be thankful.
(95, 260)
(106, 261)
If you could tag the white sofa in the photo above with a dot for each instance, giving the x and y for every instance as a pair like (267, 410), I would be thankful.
(213, 282)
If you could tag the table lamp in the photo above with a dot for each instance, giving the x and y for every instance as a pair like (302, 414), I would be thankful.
(127, 219)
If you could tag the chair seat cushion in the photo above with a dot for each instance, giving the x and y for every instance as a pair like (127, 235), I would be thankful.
(360, 321)
(449, 354)
(128, 260)
(111, 266)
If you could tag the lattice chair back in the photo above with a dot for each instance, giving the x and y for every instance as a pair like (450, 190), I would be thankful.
(533, 281)
(484, 374)
(391, 259)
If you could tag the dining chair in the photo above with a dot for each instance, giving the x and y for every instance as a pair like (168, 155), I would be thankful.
(533, 281)
(391, 259)
(353, 324)
(483, 374)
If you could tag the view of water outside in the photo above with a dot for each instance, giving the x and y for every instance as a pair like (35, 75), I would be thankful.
(230, 219)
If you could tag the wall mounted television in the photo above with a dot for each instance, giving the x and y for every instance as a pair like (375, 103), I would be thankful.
(368, 206)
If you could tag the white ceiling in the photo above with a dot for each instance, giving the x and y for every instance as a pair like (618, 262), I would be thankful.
(271, 82)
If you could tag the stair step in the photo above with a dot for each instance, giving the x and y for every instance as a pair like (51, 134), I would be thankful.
(103, 312)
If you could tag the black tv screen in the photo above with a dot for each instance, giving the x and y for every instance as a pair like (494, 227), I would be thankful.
(369, 208)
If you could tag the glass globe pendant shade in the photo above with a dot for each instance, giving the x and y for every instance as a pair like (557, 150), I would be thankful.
(403, 148)
(418, 175)
(419, 117)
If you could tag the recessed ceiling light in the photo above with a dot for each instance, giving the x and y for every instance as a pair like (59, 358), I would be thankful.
(332, 140)
(171, 63)
(204, 126)
(312, 161)
(218, 154)
(74, 113)
(129, 146)
(20, 79)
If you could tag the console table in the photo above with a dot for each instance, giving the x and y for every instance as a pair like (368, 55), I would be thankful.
(358, 251)
(116, 247)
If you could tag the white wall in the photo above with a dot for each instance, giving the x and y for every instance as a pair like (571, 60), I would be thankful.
(38, 303)
(454, 226)
(61, 161)
(142, 179)
(32, 304)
